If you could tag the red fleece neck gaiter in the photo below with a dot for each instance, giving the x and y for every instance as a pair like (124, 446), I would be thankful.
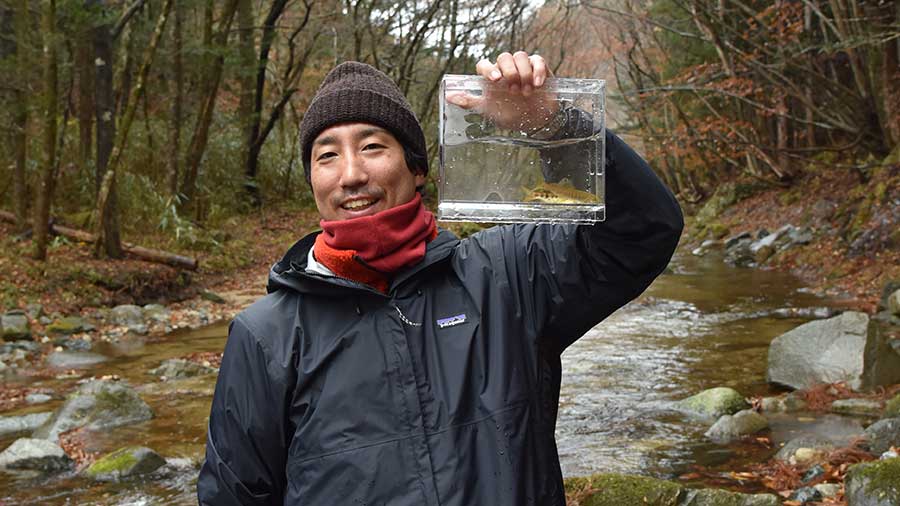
(371, 248)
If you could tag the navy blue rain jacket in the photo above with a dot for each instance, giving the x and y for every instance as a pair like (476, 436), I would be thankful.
(444, 391)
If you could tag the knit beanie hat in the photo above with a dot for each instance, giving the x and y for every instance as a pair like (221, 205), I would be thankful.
(353, 92)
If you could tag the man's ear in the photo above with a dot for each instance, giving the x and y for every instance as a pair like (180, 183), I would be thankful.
(420, 178)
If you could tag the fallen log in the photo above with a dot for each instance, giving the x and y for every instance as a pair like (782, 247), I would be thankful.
(148, 254)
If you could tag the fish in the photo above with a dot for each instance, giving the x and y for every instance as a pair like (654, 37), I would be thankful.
(555, 193)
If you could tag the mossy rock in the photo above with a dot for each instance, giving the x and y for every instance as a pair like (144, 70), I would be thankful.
(714, 402)
(128, 461)
(718, 230)
(618, 490)
(69, 325)
(874, 483)
(892, 408)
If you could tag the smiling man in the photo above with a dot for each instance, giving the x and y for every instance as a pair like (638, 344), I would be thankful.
(392, 363)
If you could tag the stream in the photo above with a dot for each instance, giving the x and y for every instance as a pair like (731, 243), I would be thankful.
(702, 325)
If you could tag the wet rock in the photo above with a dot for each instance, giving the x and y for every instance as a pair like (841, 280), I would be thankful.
(848, 348)
(37, 399)
(763, 254)
(828, 489)
(710, 243)
(803, 449)
(22, 423)
(45, 320)
(873, 484)
(716, 497)
(732, 427)
(804, 312)
(212, 297)
(738, 252)
(125, 462)
(73, 359)
(607, 489)
(892, 408)
(799, 236)
(893, 303)
(138, 328)
(714, 403)
(889, 288)
(805, 495)
(786, 403)
(156, 312)
(862, 407)
(14, 325)
(698, 252)
(813, 473)
(38, 454)
(177, 368)
(96, 405)
(34, 311)
(127, 314)
(882, 435)
(69, 325)
(73, 344)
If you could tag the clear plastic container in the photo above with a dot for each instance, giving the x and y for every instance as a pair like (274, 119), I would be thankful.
(544, 166)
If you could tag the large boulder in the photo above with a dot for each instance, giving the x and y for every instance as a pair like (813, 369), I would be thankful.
(873, 483)
(882, 435)
(96, 405)
(23, 423)
(36, 454)
(125, 462)
(718, 497)
(623, 490)
(848, 348)
(714, 403)
(14, 326)
(731, 427)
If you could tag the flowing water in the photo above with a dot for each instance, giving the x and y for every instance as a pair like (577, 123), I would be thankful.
(702, 325)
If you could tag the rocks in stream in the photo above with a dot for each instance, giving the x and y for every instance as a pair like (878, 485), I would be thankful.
(882, 435)
(729, 428)
(873, 483)
(125, 462)
(860, 407)
(743, 250)
(37, 454)
(69, 325)
(714, 403)
(177, 368)
(14, 326)
(804, 449)
(73, 359)
(608, 489)
(847, 348)
(22, 423)
(96, 405)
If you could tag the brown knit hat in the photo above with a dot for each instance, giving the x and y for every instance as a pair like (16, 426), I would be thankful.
(354, 91)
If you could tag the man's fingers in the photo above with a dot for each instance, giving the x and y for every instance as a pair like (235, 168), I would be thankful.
(540, 70)
(523, 65)
(488, 70)
(507, 65)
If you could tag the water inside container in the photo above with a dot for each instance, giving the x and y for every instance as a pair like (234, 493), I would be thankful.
(544, 166)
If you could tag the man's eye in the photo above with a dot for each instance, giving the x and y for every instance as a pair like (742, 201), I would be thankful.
(373, 146)
(325, 155)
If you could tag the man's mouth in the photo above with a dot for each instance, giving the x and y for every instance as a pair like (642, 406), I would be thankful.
(357, 204)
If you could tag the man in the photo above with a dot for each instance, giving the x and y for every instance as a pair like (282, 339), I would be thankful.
(392, 363)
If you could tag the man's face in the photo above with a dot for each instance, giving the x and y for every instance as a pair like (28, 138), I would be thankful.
(359, 169)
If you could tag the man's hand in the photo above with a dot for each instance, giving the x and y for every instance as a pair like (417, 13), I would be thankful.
(512, 98)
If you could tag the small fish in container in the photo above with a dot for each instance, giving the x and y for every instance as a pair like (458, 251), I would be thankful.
(509, 158)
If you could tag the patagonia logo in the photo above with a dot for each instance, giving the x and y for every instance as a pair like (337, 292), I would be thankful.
(451, 321)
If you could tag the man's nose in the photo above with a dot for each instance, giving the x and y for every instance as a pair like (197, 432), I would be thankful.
(353, 172)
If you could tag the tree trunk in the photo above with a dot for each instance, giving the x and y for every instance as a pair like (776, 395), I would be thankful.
(204, 118)
(109, 179)
(20, 120)
(891, 83)
(105, 114)
(246, 73)
(51, 74)
(175, 129)
(84, 68)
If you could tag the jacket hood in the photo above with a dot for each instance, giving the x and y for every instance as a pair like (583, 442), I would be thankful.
(290, 272)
